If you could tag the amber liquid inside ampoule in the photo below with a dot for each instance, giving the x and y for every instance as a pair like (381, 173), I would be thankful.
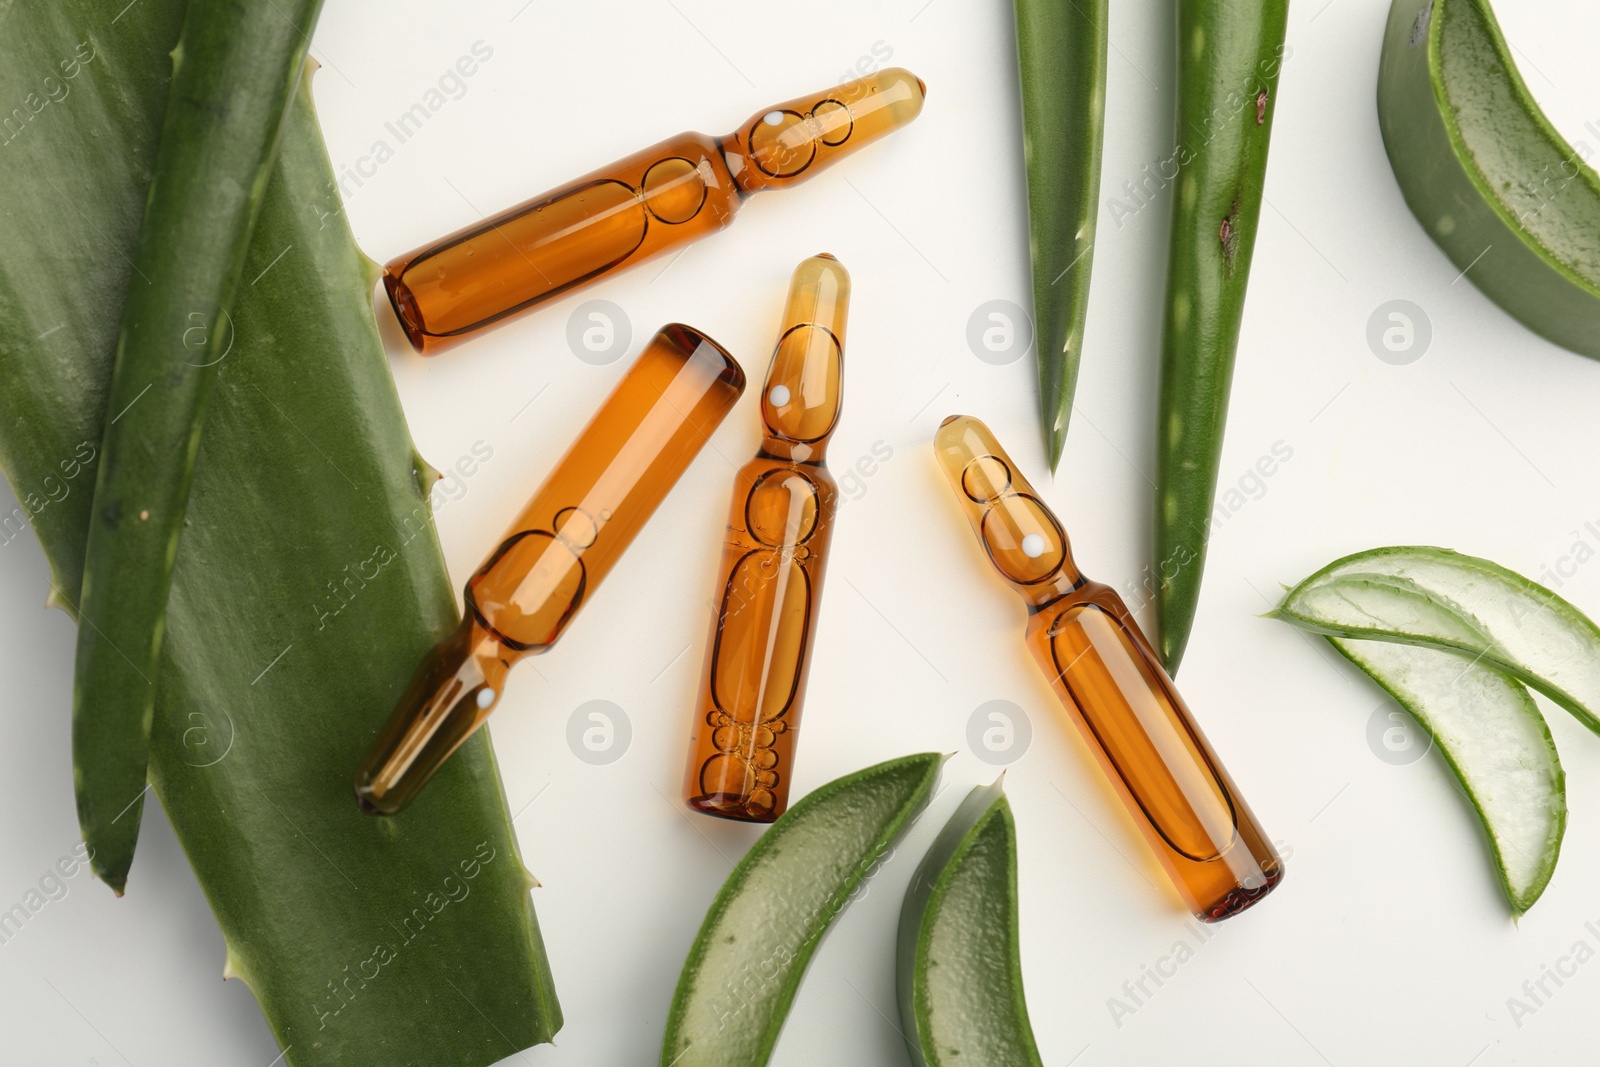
(1105, 673)
(556, 553)
(1145, 739)
(654, 200)
(780, 524)
(601, 492)
(651, 202)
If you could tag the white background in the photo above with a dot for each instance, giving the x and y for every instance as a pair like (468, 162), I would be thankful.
(1389, 940)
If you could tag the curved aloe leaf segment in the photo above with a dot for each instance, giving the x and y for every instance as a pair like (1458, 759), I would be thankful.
(753, 948)
(1514, 206)
(365, 943)
(234, 73)
(1498, 745)
(1441, 598)
(959, 968)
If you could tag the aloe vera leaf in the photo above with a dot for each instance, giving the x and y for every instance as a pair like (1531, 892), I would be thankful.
(1229, 56)
(234, 73)
(365, 942)
(75, 161)
(1447, 600)
(1496, 743)
(959, 961)
(1061, 57)
(746, 964)
(1511, 203)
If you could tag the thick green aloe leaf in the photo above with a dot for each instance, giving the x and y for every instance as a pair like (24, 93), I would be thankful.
(1229, 59)
(1502, 193)
(234, 74)
(307, 584)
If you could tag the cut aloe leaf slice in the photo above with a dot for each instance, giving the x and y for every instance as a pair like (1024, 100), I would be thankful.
(958, 972)
(1447, 600)
(1514, 206)
(757, 939)
(1491, 734)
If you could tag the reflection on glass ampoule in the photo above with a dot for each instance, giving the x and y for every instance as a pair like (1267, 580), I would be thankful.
(620, 215)
(780, 523)
(556, 553)
(1105, 673)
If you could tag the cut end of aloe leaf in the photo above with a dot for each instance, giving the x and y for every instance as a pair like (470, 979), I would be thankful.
(1512, 204)
(1452, 637)
(958, 971)
(1496, 743)
(1448, 600)
(758, 937)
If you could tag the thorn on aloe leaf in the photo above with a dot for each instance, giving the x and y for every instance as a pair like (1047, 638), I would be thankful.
(424, 473)
(54, 599)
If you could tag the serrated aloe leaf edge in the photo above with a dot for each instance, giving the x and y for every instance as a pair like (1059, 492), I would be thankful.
(411, 940)
(234, 73)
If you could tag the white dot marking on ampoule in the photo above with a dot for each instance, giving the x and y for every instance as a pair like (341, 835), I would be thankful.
(485, 697)
(1033, 546)
(778, 395)
(772, 118)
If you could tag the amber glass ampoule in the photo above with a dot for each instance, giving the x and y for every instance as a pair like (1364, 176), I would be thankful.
(556, 553)
(753, 685)
(621, 215)
(1104, 671)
